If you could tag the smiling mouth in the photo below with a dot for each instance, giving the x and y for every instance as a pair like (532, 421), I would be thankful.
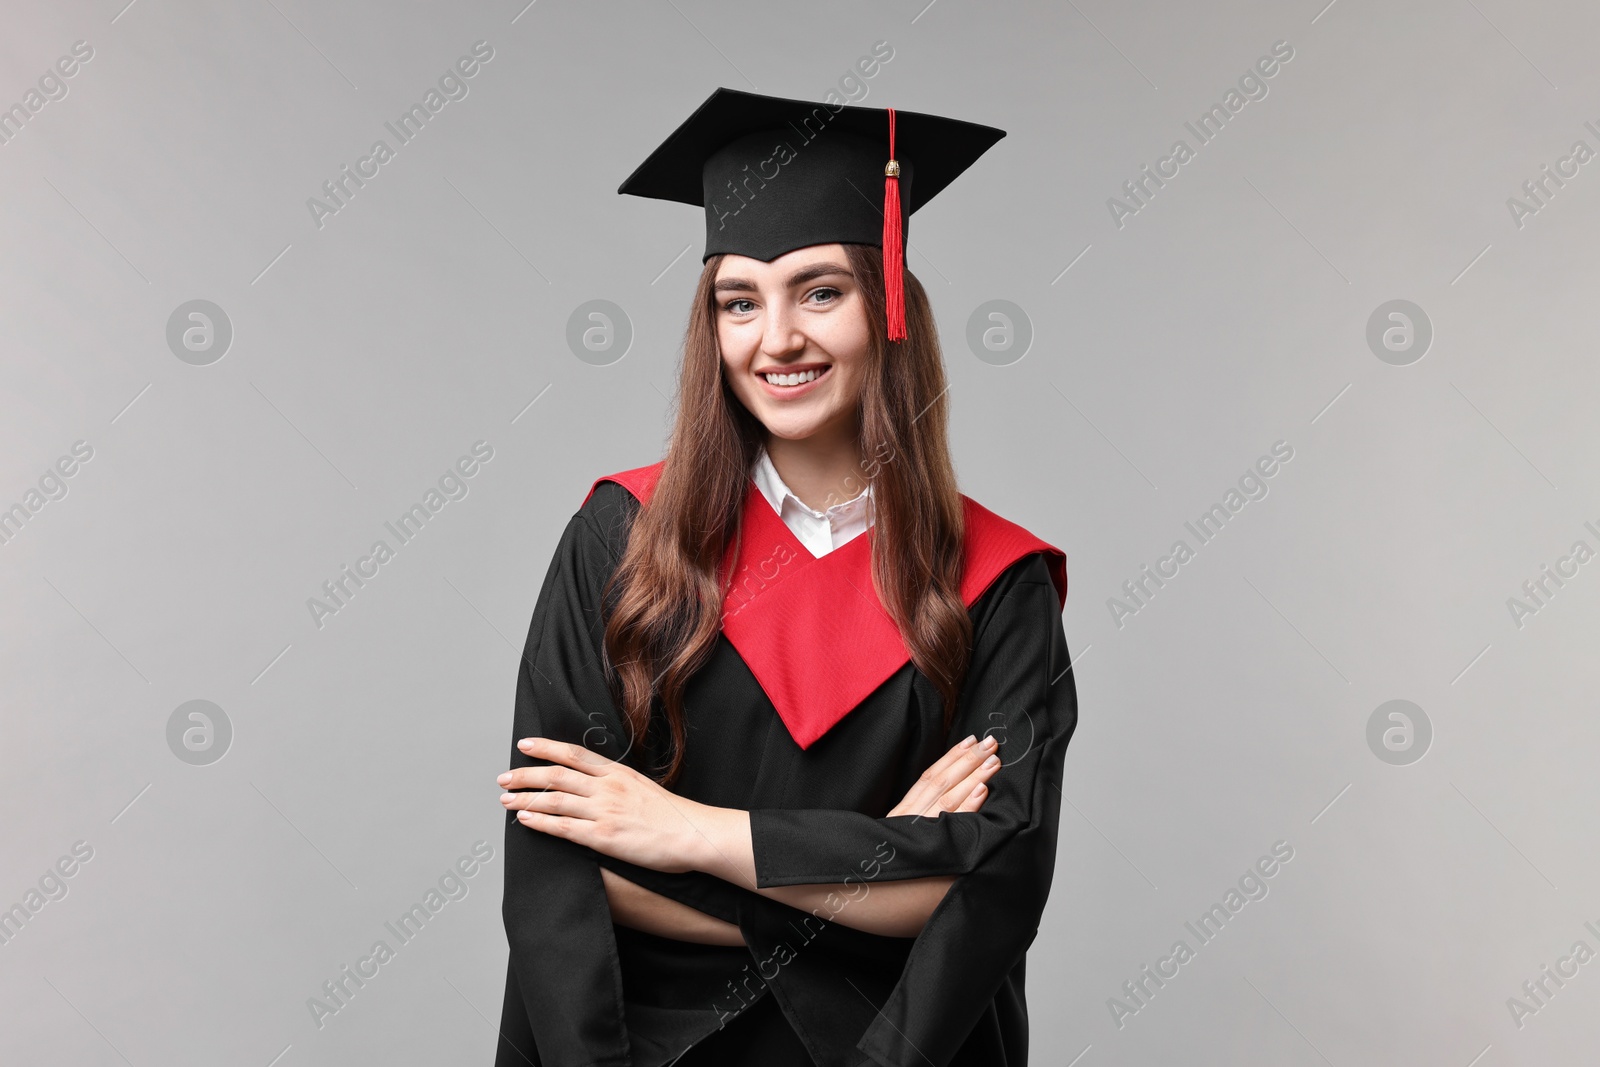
(794, 378)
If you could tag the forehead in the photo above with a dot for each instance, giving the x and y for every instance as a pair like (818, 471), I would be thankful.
(733, 265)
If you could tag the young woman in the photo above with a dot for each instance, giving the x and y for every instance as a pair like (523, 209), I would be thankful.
(792, 711)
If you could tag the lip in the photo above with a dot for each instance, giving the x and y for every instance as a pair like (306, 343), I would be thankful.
(792, 392)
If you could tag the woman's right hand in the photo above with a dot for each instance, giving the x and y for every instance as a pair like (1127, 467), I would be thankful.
(955, 782)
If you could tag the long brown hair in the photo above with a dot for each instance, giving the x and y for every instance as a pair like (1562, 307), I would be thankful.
(666, 594)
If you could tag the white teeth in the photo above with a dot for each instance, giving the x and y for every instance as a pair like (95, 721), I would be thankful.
(792, 379)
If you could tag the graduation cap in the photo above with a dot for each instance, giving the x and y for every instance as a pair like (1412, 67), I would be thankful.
(774, 175)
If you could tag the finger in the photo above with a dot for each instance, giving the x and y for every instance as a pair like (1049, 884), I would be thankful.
(566, 805)
(964, 754)
(975, 799)
(980, 776)
(947, 773)
(948, 768)
(956, 751)
(557, 777)
(575, 756)
(574, 830)
(952, 798)
(969, 758)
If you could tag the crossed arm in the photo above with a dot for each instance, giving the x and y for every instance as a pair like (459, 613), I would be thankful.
(607, 806)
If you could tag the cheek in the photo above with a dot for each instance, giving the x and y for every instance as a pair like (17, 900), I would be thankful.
(735, 369)
(734, 345)
(852, 382)
(849, 338)
(736, 365)
(851, 348)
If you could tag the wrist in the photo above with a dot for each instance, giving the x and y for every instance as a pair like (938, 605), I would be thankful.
(715, 839)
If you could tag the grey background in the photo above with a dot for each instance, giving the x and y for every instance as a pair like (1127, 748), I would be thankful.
(369, 354)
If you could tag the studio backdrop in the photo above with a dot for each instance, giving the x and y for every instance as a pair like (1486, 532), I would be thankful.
(1277, 318)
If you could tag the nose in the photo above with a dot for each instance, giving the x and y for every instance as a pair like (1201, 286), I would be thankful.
(781, 335)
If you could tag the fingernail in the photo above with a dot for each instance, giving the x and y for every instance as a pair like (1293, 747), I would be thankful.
(506, 798)
(989, 742)
(992, 761)
(504, 778)
(980, 788)
(969, 741)
(525, 744)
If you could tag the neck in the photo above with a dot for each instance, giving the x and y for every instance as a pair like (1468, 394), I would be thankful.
(822, 470)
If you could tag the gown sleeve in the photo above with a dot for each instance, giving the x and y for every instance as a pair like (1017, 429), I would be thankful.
(564, 981)
(1021, 687)
(1017, 688)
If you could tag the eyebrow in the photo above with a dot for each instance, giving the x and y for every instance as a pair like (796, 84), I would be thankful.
(799, 277)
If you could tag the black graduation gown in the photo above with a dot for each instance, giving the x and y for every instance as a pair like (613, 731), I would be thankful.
(583, 992)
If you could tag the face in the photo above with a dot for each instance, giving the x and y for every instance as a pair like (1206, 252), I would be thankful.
(794, 339)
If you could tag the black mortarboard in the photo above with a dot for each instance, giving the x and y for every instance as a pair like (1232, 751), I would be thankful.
(774, 175)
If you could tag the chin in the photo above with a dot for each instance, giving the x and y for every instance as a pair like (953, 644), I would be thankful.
(791, 430)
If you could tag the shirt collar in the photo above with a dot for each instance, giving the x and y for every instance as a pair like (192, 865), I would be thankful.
(772, 487)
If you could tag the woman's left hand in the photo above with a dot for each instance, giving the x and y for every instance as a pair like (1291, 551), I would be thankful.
(604, 805)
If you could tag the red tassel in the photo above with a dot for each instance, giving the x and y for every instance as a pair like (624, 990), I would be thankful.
(894, 261)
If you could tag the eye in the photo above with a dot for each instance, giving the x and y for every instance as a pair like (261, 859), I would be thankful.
(828, 294)
(739, 306)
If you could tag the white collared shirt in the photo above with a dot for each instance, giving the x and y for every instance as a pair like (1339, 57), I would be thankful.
(820, 531)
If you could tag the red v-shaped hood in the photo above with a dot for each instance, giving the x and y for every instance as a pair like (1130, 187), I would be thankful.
(789, 613)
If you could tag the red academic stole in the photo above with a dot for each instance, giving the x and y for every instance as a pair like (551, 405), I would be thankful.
(811, 629)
